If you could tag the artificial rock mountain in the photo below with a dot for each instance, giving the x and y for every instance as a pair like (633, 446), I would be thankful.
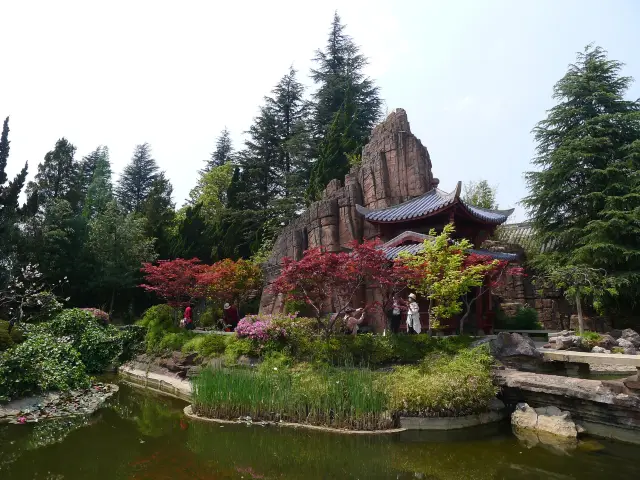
(395, 167)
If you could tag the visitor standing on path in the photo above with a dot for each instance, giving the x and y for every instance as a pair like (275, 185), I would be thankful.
(395, 314)
(188, 320)
(413, 315)
(231, 317)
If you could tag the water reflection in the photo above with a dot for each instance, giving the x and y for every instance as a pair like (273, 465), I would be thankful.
(141, 436)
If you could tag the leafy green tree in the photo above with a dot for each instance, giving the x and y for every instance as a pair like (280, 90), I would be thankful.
(342, 84)
(480, 194)
(443, 275)
(137, 180)
(584, 197)
(212, 190)
(579, 282)
(99, 191)
(57, 177)
(120, 246)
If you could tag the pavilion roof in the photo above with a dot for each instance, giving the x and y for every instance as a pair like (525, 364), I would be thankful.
(431, 203)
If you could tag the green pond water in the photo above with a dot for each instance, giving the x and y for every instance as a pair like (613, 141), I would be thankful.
(139, 436)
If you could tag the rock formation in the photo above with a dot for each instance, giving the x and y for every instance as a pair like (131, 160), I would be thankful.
(395, 167)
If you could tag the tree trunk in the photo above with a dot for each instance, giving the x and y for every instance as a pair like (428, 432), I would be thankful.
(580, 319)
(113, 299)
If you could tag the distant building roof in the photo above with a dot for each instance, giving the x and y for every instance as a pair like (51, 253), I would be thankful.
(432, 202)
(523, 234)
(394, 247)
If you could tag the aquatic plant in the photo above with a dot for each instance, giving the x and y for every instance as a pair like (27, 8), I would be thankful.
(340, 398)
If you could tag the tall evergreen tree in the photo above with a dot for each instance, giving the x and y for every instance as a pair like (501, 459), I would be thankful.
(336, 147)
(222, 153)
(585, 198)
(159, 212)
(87, 168)
(480, 194)
(57, 176)
(9, 194)
(342, 84)
(99, 191)
(137, 179)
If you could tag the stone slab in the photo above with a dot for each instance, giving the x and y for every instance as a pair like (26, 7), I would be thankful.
(450, 423)
(156, 381)
(590, 358)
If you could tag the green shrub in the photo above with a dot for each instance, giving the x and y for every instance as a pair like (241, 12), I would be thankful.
(132, 337)
(590, 339)
(617, 350)
(159, 321)
(42, 362)
(209, 317)
(237, 347)
(8, 340)
(206, 345)
(443, 385)
(98, 345)
(525, 318)
(172, 342)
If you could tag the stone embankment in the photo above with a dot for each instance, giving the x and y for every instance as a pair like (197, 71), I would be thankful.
(57, 404)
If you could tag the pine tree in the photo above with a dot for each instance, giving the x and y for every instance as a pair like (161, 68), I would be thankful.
(57, 176)
(222, 153)
(159, 212)
(336, 147)
(99, 191)
(585, 198)
(342, 86)
(137, 180)
(8, 206)
(87, 167)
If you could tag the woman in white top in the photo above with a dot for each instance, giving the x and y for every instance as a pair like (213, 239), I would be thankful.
(413, 315)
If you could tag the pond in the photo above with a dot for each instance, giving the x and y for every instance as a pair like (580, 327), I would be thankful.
(142, 436)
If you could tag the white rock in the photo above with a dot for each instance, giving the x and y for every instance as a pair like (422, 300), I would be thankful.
(600, 350)
(544, 419)
(624, 343)
(524, 417)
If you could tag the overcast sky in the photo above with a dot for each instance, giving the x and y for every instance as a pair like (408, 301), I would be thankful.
(474, 76)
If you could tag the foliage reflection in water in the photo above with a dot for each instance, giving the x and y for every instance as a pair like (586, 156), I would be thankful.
(141, 436)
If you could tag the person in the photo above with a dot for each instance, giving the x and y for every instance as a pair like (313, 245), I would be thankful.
(353, 319)
(395, 314)
(231, 317)
(413, 315)
(188, 320)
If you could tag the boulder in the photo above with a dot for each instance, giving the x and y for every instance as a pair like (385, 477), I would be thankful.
(624, 343)
(547, 419)
(524, 417)
(496, 405)
(630, 351)
(615, 333)
(600, 350)
(632, 336)
(607, 342)
(515, 350)
(568, 342)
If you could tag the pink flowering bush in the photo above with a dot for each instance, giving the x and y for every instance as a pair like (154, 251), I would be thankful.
(263, 328)
(101, 315)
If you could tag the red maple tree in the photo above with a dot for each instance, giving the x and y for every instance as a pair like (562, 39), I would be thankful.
(495, 278)
(174, 280)
(332, 281)
(230, 281)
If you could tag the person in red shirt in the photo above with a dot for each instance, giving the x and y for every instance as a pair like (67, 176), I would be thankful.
(188, 321)
(231, 316)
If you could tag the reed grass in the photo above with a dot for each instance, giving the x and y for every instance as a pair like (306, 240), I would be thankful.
(339, 398)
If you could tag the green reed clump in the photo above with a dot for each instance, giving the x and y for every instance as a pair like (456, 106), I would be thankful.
(340, 398)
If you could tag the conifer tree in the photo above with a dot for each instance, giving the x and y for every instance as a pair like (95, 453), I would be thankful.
(222, 153)
(137, 179)
(585, 198)
(9, 194)
(159, 211)
(99, 191)
(57, 177)
(342, 84)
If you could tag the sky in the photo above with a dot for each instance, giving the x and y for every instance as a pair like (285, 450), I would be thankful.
(474, 76)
